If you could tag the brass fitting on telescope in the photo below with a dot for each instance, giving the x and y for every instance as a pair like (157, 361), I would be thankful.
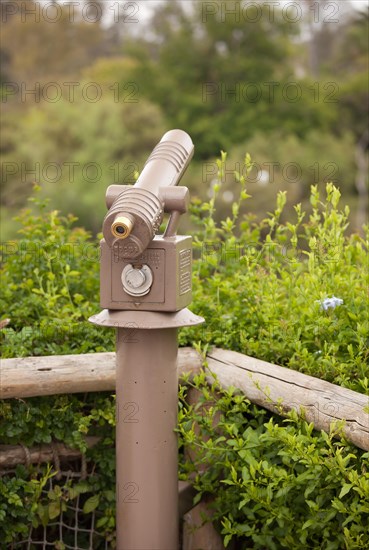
(122, 226)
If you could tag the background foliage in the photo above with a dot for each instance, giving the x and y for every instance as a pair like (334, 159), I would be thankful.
(226, 79)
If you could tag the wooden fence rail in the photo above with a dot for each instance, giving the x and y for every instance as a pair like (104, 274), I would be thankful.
(276, 388)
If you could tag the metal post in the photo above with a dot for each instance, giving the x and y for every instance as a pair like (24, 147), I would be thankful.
(147, 464)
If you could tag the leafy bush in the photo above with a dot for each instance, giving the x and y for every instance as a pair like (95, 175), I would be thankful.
(261, 287)
(27, 499)
(51, 287)
(273, 483)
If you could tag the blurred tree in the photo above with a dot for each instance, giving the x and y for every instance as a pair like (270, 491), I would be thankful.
(223, 72)
(75, 150)
(320, 26)
(106, 71)
(351, 64)
(338, 46)
(44, 42)
(7, 11)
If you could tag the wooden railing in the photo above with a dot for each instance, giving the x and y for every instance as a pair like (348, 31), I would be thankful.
(275, 388)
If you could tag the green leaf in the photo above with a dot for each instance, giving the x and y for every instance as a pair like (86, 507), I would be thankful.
(54, 509)
(308, 523)
(102, 521)
(91, 504)
(345, 489)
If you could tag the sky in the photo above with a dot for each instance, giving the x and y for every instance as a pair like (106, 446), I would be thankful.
(147, 6)
(144, 8)
(361, 4)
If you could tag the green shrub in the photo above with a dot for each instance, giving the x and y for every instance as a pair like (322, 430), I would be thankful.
(50, 279)
(273, 483)
(27, 498)
(261, 286)
(50, 287)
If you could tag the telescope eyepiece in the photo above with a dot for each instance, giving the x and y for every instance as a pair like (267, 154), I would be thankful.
(122, 226)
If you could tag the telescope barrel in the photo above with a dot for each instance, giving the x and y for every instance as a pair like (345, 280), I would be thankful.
(137, 212)
(167, 163)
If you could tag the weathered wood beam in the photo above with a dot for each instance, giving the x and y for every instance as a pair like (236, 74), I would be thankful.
(11, 455)
(89, 372)
(280, 390)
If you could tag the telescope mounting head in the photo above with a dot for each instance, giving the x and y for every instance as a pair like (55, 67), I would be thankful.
(144, 268)
(136, 212)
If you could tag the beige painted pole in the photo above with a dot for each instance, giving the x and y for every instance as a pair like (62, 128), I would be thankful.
(147, 452)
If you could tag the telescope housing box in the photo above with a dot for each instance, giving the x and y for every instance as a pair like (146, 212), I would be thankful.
(170, 262)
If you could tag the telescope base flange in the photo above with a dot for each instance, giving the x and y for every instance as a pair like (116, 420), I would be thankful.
(149, 320)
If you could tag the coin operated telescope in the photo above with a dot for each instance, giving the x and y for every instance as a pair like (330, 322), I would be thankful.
(145, 288)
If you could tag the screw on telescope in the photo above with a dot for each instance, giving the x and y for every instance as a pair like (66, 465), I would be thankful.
(137, 281)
